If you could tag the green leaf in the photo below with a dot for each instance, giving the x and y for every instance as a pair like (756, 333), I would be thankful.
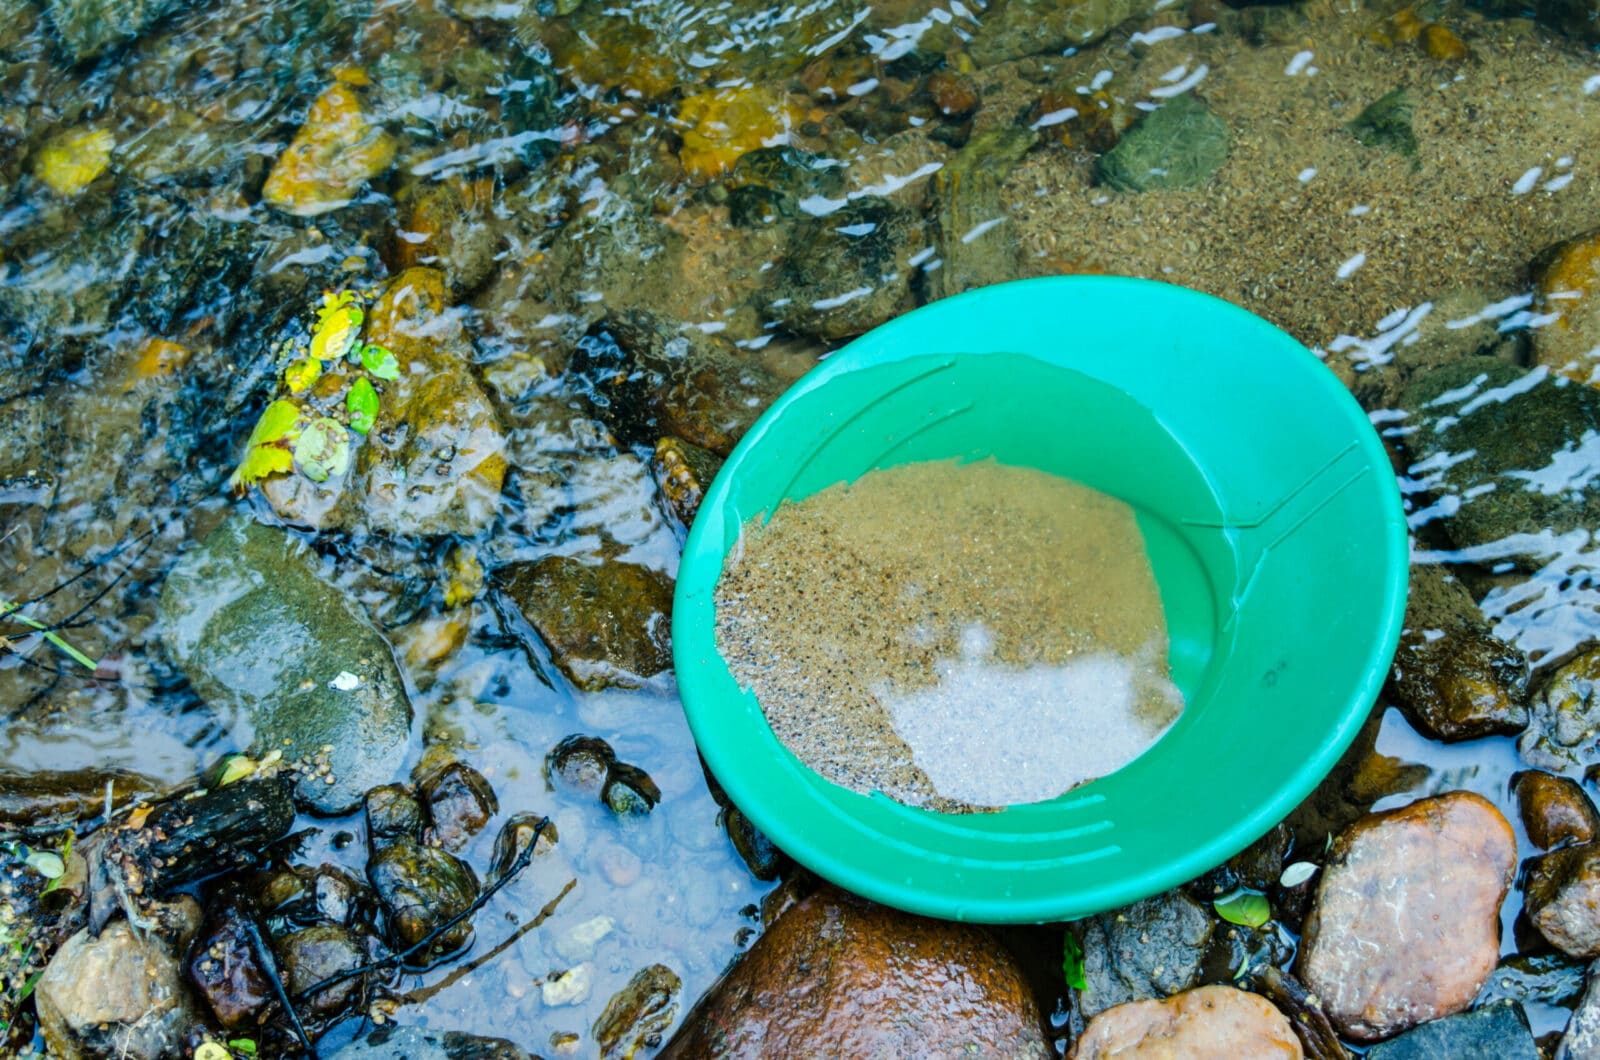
(1072, 962)
(243, 1045)
(27, 987)
(380, 362)
(362, 403)
(323, 449)
(237, 768)
(211, 1051)
(12, 611)
(1245, 908)
(47, 863)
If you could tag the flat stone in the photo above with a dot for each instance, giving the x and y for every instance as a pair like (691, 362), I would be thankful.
(836, 975)
(261, 632)
(1562, 898)
(1211, 1023)
(1499, 1030)
(1405, 925)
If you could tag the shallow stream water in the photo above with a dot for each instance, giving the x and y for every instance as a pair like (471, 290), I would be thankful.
(765, 182)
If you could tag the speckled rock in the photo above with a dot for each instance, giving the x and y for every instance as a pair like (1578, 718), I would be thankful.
(1499, 1030)
(1405, 926)
(1582, 1038)
(974, 250)
(1211, 1023)
(120, 995)
(1521, 430)
(848, 271)
(838, 976)
(1452, 677)
(1564, 718)
(1029, 27)
(1562, 898)
(1150, 949)
(683, 472)
(605, 625)
(1178, 146)
(1555, 811)
(262, 632)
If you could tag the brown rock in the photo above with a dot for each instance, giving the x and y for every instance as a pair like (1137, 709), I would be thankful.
(1211, 1023)
(1452, 677)
(334, 154)
(683, 472)
(1562, 897)
(1441, 42)
(1567, 279)
(605, 624)
(839, 976)
(953, 95)
(1405, 927)
(1555, 811)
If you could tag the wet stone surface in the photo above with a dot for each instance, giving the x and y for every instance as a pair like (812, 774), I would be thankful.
(1213, 1021)
(1151, 949)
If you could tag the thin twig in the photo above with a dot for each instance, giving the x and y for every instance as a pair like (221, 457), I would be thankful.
(269, 964)
(418, 996)
(395, 959)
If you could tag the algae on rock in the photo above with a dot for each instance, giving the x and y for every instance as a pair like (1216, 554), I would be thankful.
(1176, 147)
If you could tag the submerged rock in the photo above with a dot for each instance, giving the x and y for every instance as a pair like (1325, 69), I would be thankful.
(1150, 949)
(605, 624)
(847, 271)
(1567, 280)
(310, 955)
(1506, 444)
(459, 799)
(1564, 722)
(1561, 896)
(119, 995)
(416, 1043)
(421, 888)
(1405, 926)
(226, 969)
(1499, 1030)
(721, 125)
(1031, 27)
(257, 628)
(86, 28)
(1452, 677)
(1176, 147)
(1555, 811)
(683, 472)
(334, 154)
(1211, 1022)
(639, 1014)
(971, 223)
(836, 975)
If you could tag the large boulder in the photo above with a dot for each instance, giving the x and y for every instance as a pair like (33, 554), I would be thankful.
(267, 638)
(1405, 926)
(836, 975)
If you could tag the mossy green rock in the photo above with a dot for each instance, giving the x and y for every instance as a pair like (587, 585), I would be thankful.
(1179, 146)
(1509, 444)
(265, 637)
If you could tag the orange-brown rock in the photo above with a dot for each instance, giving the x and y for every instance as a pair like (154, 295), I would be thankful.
(1211, 1023)
(1567, 281)
(1562, 897)
(333, 155)
(1441, 42)
(1405, 926)
(836, 975)
(1555, 811)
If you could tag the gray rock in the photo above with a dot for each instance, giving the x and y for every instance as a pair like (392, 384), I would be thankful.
(88, 27)
(261, 632)
(1582, 1040)
(1518, 431)
(414, 1043)
(120, 995)
(1499, 1030)
(1179, 146)
(1150, 949)
(1564, 718)
(1031, 27)
(1452, 677)
(847, 272)
(975, 250)
(1542, 978)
